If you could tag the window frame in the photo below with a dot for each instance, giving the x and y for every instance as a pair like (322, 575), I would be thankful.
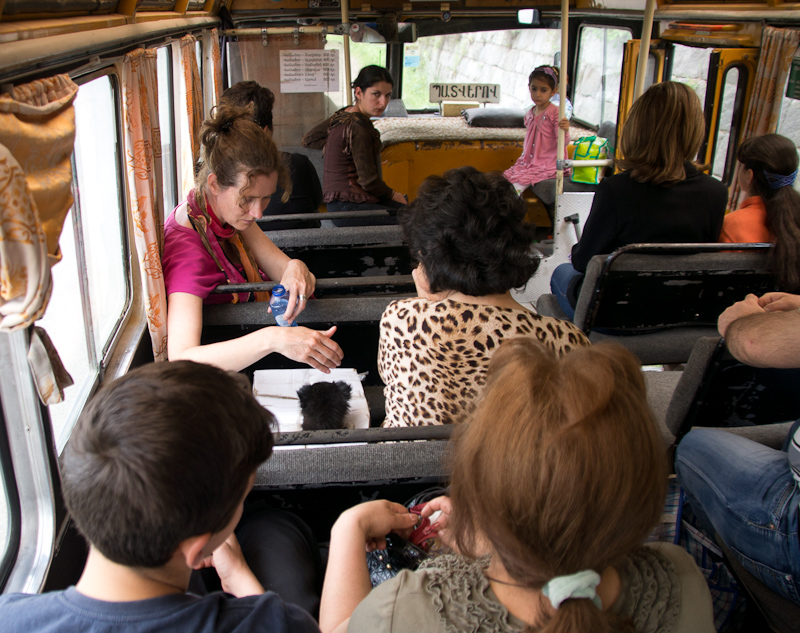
(100, 359)
(576, 36)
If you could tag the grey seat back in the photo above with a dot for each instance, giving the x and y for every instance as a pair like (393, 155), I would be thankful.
(716, 390)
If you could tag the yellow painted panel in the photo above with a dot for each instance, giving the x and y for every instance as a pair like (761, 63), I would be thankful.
(406, 165)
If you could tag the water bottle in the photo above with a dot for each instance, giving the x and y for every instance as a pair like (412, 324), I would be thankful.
(279, 301)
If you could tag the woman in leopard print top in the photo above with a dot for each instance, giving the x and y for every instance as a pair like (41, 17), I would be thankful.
(466, 232)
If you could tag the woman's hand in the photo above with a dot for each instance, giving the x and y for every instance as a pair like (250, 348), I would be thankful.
(373, 520)
(300, 284)
(564, 124)
(363, 527)
(308, 346)
(399, 197)
(443, 506)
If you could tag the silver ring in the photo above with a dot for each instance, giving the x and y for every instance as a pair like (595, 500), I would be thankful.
(302, 297)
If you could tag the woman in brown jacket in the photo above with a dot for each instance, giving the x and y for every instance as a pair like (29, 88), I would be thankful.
(352, 178)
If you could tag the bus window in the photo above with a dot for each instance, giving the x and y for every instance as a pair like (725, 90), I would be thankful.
(690, 66)
(599, 67)
(94, 255)
(722, 144)
(505, 57)
(166, 119)
(361, 55)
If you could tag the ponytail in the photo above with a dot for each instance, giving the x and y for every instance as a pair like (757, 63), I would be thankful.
(773, 160)
(582, 616)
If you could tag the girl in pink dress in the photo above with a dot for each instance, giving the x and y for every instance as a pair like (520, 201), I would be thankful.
(538, 160)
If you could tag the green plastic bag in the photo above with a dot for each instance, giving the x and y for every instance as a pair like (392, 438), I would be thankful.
(589, 148)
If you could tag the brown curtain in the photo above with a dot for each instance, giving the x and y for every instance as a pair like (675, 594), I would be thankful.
(194, 106)
(37, 133)
(143, 157)
(778, 47)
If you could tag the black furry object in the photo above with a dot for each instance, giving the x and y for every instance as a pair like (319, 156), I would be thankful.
(324, 405)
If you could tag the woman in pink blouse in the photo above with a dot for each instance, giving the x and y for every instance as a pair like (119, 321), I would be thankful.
(212, 238)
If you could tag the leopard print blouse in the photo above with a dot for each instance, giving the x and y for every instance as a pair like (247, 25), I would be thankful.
(433, 356)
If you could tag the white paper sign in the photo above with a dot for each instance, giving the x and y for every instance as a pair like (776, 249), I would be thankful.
(309, 71)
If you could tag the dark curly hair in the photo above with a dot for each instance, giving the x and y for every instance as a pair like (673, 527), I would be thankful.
(466, 228)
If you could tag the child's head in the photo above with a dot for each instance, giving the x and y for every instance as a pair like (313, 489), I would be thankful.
(542, 83)
(769, 170)
(562, 468)
(664, 129)
(161, 455)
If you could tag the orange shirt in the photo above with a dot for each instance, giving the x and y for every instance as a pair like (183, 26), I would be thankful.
(747, 224)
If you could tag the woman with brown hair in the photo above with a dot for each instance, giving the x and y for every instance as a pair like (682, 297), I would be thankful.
(661, 196)
(212, 238)
(557, 480)
(771, 212)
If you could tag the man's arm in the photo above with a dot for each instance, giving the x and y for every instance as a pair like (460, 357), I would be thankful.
(766, 339)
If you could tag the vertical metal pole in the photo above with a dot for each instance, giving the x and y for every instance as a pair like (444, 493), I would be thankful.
(644, 49)
(346, 44)
(562, 95)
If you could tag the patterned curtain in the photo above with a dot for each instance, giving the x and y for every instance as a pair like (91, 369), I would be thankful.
(37, 133)
(143, 158)
(211, 43)
(193, 95)
(778, 47)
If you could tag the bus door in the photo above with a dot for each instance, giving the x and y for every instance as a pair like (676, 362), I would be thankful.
(731, 75)
(656, 65)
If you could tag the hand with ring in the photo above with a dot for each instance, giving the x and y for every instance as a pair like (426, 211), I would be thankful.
(299, 283)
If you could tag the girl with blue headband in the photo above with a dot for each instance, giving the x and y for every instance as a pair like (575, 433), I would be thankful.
(556, 481)
(771, 212)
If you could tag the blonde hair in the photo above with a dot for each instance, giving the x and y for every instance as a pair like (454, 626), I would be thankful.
(233, 143)
(665, 128)
(561, 469)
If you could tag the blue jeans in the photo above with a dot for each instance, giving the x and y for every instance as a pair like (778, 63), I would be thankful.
(559, 284)
(745, 492)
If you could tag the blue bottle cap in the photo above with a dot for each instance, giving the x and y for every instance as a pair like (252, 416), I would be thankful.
(278, 291)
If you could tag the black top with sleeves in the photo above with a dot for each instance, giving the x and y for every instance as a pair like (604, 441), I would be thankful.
(625, 211)
(306, 194)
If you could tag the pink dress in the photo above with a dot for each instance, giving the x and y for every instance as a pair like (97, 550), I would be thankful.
(538, 160)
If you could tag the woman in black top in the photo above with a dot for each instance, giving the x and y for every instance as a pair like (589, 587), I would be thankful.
(661, 196)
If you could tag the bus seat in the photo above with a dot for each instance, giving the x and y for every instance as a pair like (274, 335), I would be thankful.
(780, 614)
(569, 205)
(658, 299)
(417, 147)
(716, 390)
(660, 386)
(358, 251)
(314, 458)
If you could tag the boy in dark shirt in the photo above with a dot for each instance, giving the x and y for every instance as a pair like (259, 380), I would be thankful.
(154, 476)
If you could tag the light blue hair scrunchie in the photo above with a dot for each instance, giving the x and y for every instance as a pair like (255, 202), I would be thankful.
(582, 584)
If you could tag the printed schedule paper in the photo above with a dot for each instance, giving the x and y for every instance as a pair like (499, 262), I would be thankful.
(309, 71)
